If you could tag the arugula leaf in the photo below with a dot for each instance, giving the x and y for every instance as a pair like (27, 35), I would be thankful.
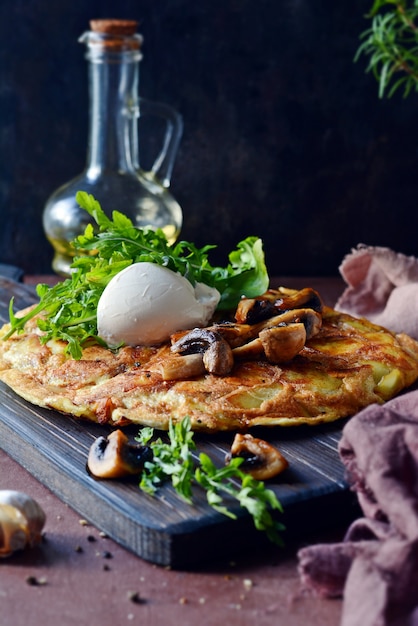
(246, 273)
(174, 461)
(70, 307)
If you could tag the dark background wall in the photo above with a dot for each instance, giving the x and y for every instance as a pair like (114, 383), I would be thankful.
(284, 135)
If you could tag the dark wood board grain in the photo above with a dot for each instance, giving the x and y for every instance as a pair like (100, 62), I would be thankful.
(164, 529)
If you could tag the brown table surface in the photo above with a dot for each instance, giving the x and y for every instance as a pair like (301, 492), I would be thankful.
(85, 578)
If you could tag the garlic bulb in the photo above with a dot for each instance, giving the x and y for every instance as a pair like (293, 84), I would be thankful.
(21, 521)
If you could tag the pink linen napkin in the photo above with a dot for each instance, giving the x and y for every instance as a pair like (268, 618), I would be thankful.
(375, 568)
(382, 285)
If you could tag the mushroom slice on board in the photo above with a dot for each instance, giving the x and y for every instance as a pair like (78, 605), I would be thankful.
(115, 457)
(261, 459)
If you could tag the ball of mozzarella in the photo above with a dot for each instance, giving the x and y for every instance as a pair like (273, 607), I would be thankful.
(145, 303)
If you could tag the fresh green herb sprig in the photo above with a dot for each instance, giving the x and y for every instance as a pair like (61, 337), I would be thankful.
(70, 307)
(391, 43)
(173, 460)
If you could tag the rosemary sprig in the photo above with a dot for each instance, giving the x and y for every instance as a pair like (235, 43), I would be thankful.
(391, 43)
(173, 460)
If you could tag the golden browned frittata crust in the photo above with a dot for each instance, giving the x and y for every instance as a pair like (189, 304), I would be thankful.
(348, 365)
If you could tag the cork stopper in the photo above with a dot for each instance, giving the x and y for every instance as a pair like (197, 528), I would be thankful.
(114, 27)
(114, 34)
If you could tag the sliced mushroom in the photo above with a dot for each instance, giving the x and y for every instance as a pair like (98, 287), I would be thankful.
(181, 367)
(220, 343)
(312, 320)
(251, 350)
(239, 334)
(21, 521)
(218, 358)
(254, 310)
(278, 344)
(261, 459)
(236, 334)
(217, 353)
(115, 457)
(283, 343)
(306, 298)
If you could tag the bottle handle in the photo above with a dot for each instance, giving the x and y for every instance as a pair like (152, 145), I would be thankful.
(163, 164)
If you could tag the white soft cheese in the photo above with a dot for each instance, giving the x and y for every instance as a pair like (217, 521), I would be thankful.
(145, 303)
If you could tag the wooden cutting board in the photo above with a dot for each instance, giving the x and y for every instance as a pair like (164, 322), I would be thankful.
(164, 529)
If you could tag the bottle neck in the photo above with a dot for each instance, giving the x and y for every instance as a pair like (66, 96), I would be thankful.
(113, 111)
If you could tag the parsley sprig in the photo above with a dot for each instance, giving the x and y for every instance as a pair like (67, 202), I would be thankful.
(70, 307)
(174, 461)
